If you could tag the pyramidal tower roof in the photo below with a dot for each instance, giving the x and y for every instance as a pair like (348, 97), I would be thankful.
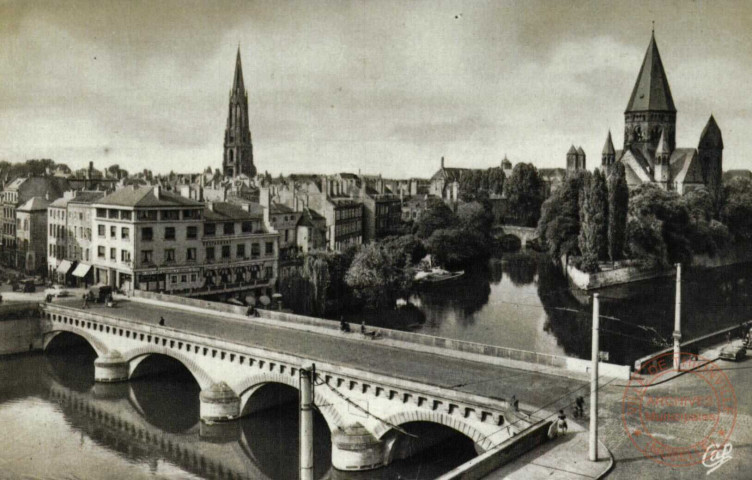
(651, 91)
(237, 83)
(572, 151)
(711, 135)
(608, 147)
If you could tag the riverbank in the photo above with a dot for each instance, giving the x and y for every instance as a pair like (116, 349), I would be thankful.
(738, 254)
(20, 330)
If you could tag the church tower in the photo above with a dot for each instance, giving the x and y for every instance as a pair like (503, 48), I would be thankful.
(710, 151)
(608, 156)
(238, 157)
(651, 107)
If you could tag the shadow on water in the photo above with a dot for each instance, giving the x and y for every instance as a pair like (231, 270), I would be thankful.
(165, 393)
(271, 434)
(70, 360)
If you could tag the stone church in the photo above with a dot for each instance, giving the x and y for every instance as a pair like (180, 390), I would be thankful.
(650, 153)
(238, 156)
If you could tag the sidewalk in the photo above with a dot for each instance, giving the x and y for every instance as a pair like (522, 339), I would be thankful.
(563, 458)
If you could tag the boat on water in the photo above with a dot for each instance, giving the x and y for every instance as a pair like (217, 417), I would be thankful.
(437, 275)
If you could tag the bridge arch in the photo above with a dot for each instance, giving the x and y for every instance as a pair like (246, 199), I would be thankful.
(98, 346)
(252, 384)
(137, 355)
(452, 422)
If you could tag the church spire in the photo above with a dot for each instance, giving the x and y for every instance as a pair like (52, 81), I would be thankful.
(237, 83)
(651, 91)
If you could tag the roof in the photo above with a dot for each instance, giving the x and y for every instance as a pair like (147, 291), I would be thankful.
(34, 204)
(580, 151)
(651, 91)
(237, 82)
(685, 166)
(228, 212)
(711, 135)
(61, 202)
(86, 197)
(146, 197)
(451, 174)
(608, 148)
(280, 208)
(663, 148)
(572, 151)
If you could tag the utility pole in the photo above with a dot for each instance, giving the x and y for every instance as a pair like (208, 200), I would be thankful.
(594, 358)
(677, 321)
(307, 375)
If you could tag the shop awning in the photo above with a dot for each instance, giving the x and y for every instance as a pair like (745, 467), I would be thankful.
(64, 266)
(81, 270)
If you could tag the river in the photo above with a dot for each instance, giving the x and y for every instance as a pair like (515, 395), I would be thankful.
(523, 301)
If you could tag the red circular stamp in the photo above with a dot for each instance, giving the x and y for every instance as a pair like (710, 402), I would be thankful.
(676, 422)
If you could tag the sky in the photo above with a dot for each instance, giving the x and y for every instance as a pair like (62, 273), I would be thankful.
(375, 86)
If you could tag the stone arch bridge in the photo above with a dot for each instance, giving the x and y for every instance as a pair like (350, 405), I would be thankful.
(363, 410)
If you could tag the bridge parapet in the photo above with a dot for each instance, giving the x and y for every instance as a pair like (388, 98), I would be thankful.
(347, 397)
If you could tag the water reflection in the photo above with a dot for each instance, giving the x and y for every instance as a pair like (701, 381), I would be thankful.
(523, 301)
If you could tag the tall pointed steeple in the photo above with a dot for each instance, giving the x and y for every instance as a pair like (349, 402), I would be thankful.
(237, 83)
(651, 108)
(238, 155)
(608, 156)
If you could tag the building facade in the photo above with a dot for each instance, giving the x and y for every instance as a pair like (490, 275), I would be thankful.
(32, 235)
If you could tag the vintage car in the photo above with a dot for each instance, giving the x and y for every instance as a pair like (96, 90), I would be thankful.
(56, 291)
(734, 352)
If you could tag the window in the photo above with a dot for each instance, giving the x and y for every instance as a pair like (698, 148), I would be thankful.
(113, 254)
(192, 232)
(125, 233)
(209, 254)
(147, 234)
(125, 256)
(146, 215)
(170, 215)
(229, 228)
(169, 233)
(190, 254)
(269, 272)
(113, 232)
(86, 256)
(101, 213)
(100, 230)
(240, 250)
(146, 256)
(88, 233)
(210, 229)
(255, 250)
(246, 227)
(193, 277)
(225, 251)
(190, 214)
(112, 214)
(174, 279)
(183, 278)
(287, 235)
(125, 214)
(169, 255)
(269, 248)
(100, 252)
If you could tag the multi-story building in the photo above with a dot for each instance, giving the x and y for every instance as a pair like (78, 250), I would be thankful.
(146, 238)
(16, 193)
(240, 251)
(32, 235)
(58, 266)
(285, 221)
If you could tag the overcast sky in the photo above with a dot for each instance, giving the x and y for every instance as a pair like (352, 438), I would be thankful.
(376, 86)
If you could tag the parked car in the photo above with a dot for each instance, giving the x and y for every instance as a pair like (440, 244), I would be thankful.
(99, 293)
(57, 291)
(733, 352)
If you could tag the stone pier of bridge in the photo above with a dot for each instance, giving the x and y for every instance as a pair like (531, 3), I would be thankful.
(364, 411)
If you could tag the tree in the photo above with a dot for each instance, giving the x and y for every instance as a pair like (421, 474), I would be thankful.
(379, 276)
(736, 209)
(525, 193)
(559, 225)
(457, 247)
(587, 239)
(476, 217)
(651, 207)
(436, 216)
(600, 200)
(618, 205)
(706, 235)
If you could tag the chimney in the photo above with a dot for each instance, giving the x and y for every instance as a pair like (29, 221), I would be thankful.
(157, 191)
(210, 206)
(442, 162)
(90, 172)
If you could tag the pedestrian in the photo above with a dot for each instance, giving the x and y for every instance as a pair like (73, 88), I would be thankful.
(161, 321)
(580, 406)
(343, 325)
(363, 327)
(513, 401)
(86, 300)
(561, 424)
(728, 337)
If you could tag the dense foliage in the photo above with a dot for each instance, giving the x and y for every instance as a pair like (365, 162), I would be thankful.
(593, 237)
(480, 184)
(379, 276)
(559, 225)
(525, 192)
(618, 206)
(736, 210)
(437, 215)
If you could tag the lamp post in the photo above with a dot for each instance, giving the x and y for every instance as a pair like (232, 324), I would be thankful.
(677, 321)
(307, 377)
(593, 445)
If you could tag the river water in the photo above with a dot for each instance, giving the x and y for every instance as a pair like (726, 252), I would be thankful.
(523, 301)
